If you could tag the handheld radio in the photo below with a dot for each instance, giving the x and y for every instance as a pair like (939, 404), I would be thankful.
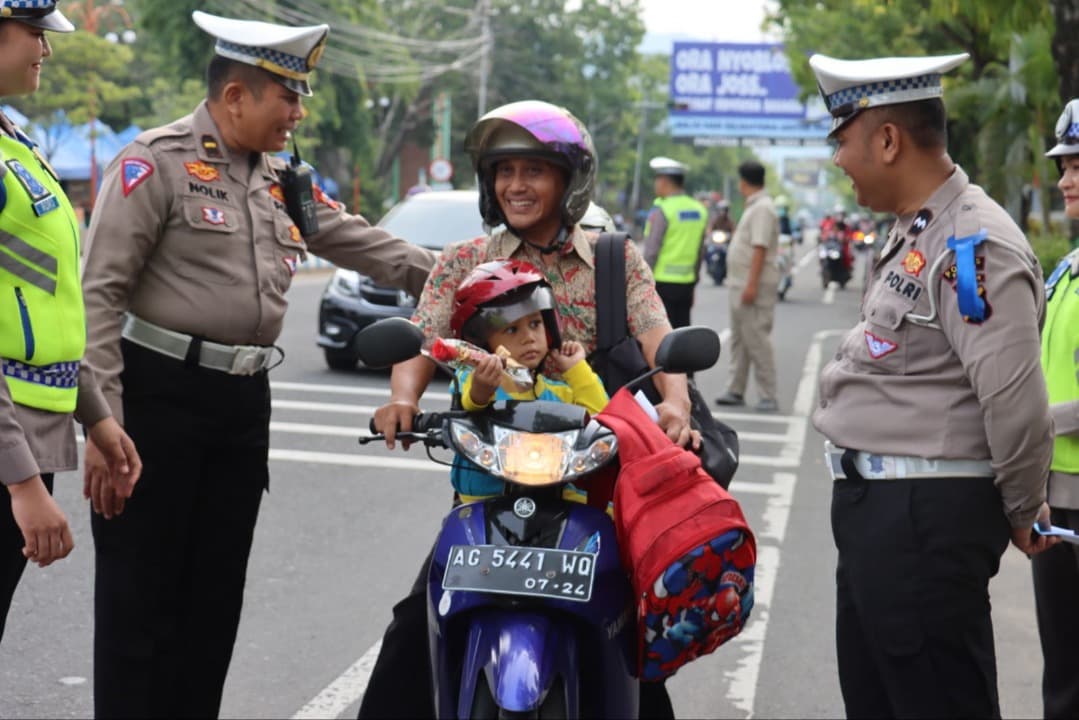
(296, 184)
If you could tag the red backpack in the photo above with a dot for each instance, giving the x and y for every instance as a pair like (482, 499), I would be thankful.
(684, 541)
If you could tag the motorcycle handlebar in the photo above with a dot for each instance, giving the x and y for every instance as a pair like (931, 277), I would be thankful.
(426, 428)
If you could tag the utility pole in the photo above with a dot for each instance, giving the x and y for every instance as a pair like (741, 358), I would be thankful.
(485, 57)
(635, 194)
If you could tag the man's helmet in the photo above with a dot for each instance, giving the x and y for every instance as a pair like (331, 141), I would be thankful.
(498, 293)
(596, 218)
(1067, 132)
(533, 128)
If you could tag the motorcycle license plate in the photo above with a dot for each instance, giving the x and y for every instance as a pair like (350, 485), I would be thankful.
(508, 570)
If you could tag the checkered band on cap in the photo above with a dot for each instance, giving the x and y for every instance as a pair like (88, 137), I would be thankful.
(1071, 135)
(28, 4)
(295, 66)
(64, 375)
(919, 87)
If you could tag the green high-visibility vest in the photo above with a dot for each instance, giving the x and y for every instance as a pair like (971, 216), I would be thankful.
(1060, 354)
(42, 320)
(680, 251)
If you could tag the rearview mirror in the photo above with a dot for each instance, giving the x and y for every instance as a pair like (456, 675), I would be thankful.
(388, 342)
(688, 349)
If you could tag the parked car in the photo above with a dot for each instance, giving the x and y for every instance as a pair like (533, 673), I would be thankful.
(352, 301)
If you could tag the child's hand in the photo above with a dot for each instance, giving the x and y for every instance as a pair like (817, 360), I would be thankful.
(568, 355)
(485, 379)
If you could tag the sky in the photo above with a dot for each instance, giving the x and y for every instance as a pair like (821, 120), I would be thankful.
(719, 20)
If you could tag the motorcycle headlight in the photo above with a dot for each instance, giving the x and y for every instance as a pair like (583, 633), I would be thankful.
(533, 458)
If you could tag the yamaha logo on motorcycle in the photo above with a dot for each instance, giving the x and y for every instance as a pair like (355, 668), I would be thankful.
(524, 508)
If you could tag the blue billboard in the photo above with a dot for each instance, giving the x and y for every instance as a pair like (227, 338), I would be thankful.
(732, 90)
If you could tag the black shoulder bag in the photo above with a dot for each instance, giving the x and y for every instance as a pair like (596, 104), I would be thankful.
(618, 359)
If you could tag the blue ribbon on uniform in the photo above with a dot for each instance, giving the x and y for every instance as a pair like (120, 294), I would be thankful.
(971, 305)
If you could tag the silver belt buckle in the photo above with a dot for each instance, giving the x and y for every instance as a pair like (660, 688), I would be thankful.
(248, 360)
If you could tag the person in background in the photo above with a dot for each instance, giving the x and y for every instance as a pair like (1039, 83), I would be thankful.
(1056, 571)
(192, 250)
(42, 328)
(674, 239)
(754, 282)
(934, 405)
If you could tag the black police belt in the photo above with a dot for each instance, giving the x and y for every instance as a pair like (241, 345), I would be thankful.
(873, 466)
(231, 359)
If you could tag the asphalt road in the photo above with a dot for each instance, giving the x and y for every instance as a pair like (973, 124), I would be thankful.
(344, 528)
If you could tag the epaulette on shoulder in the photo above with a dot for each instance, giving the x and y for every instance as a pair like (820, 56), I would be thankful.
(173, 130)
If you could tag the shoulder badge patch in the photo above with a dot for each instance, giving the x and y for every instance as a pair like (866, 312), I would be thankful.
(294, 233)
(202, 171)
(323, 198)
(291, 262)
(277, 193)
(878, 347)
(921, 221)
(914, 262)
(133, 172)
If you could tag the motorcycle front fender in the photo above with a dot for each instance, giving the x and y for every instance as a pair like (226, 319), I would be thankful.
(520, 655)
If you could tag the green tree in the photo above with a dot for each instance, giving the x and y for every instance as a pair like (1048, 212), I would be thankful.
(85, 78)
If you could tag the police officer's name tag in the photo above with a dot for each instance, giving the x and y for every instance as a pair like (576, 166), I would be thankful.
(41, 199)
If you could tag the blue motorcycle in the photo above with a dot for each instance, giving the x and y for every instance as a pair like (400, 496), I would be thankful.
(529, 609)
(715, 255)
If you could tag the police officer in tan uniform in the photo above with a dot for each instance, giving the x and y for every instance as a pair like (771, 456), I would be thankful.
(42, 326)
(192, 249)
(934, 405)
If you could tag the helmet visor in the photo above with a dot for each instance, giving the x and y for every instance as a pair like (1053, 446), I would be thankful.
(542, 120)
(494, 318)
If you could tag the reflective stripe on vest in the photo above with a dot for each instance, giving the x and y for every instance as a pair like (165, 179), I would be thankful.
(42, 320)
(1060, 355)
(680, 251)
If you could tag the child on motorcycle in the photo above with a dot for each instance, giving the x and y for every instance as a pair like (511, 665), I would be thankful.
(509, 303)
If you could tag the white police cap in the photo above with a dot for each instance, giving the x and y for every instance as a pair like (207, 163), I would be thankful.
(289, 53)
(42, 14)
(850, 86)
(1067, 131)
(667, 166)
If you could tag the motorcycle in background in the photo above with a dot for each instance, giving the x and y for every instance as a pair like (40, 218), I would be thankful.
(715, 255)
(833, 265)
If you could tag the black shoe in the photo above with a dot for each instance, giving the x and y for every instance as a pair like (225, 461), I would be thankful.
(729, 398)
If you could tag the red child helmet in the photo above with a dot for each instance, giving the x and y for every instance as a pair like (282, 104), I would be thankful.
(498, 293)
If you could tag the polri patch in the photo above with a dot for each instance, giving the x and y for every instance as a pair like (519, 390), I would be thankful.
(914, 262)
(202, 171)
(134, 172)
(41, 199)
(212, 215)
(878, 347)
(921, 221)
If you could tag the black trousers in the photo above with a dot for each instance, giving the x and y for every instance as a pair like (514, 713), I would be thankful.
(401, 684)
(678, 299)
(1056, 587)
(914, 637)
(170, 570)
(12, 561)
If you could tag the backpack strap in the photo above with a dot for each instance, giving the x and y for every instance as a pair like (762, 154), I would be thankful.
(610, 290)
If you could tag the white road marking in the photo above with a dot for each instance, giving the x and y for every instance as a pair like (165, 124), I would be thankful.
(342, 692)
(383, 392)
(742, 690)
(829, 294)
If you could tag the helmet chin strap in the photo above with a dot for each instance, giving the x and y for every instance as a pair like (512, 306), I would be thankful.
(556, 246)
